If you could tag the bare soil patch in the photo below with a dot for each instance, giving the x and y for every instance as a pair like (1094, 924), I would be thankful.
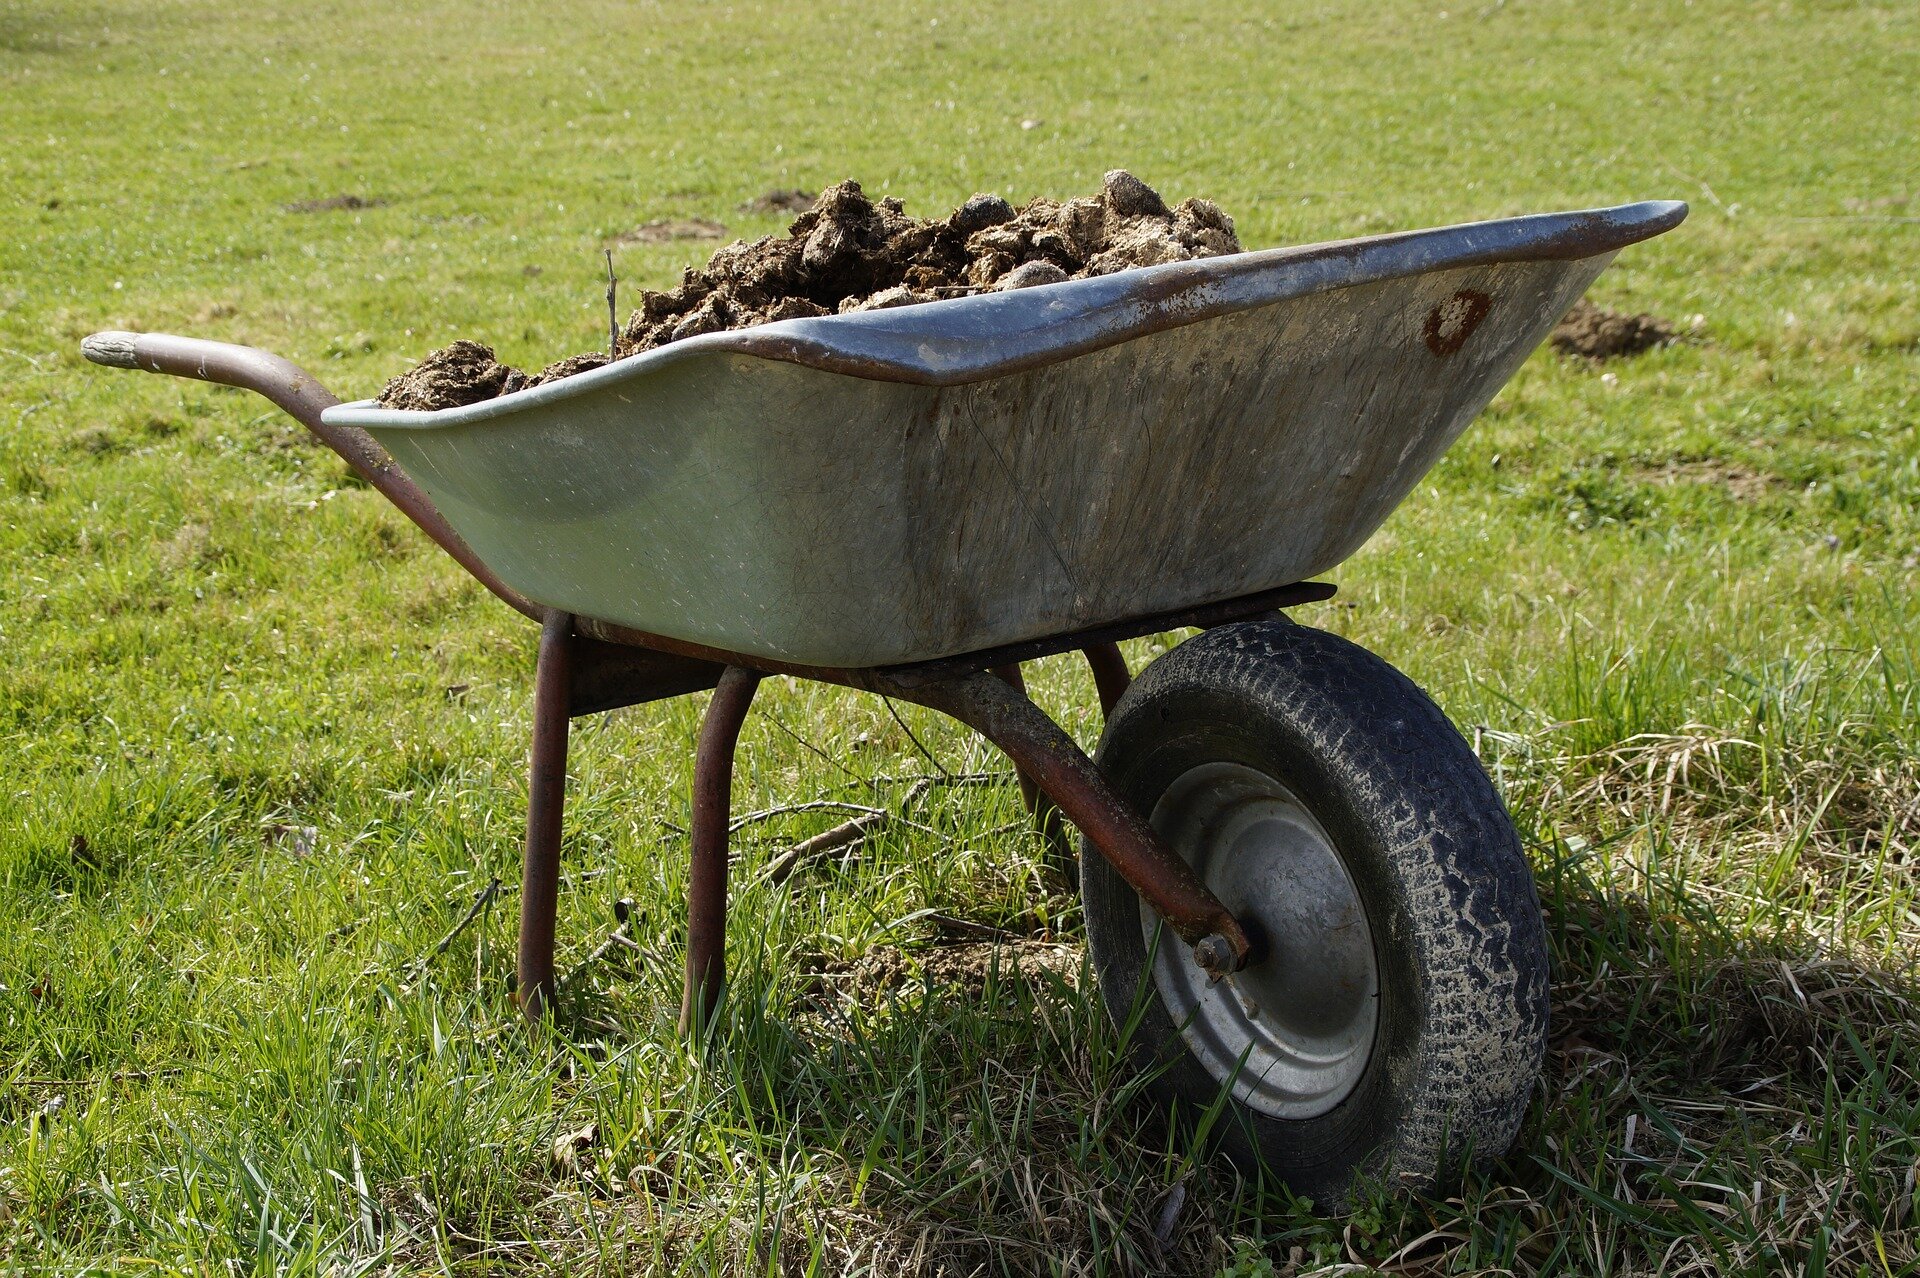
(888, 971)
(851, 253)
(668, 229)
(1879, 204)
(781, 199)
(1743, 483)
(333, 204)
(1596, 333)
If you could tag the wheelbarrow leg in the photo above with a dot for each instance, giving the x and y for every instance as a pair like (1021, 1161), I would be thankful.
(1045, 815)
(1110, 675)
(1110, 679)
(707, 878)
(546, 800)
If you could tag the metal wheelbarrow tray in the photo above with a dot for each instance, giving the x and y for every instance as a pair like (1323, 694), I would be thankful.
(913, 501)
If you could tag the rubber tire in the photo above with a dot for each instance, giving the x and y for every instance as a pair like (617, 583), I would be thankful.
(1460, 944)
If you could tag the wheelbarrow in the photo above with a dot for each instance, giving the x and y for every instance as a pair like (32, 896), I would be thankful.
(1301, 891)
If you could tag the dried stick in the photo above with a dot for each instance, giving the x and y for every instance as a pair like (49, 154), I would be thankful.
(953, 923)
(921, 785)
(623, 912)
(814, 805)
(480, 902)
(848, 834)
(775, 720)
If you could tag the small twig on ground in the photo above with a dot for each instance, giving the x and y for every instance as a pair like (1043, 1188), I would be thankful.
(954, 924)
(921, 785)
(123, 1076)
(865, 817)
(957, 778)
(613, 313)
(623, 913)
(815, 805)
(776, 721)
(480, 901)
(848, 835)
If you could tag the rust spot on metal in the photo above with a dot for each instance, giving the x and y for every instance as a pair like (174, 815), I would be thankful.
(1451, 323)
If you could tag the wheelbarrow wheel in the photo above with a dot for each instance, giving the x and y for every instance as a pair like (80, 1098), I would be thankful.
(1392, 1022)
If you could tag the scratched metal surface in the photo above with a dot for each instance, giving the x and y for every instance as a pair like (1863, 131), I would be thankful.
(903, 485)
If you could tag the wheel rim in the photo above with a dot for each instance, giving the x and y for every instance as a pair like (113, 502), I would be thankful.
(1298, 1023)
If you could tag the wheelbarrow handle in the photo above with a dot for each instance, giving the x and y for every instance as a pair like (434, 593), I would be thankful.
(304, 398)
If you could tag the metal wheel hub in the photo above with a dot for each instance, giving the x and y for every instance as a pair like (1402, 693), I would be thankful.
(1295, 1028)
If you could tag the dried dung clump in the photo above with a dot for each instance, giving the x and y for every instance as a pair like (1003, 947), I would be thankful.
(1594, 332)
(851, 253)
(467, 373)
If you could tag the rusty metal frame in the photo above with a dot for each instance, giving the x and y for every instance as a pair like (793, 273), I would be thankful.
(304, 399)
(587, 667)
(1043, 811)
(546, 804)
(983, 692)
(707, 874)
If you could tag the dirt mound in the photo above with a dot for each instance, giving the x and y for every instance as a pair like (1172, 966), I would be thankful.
(1594, 332)
(851, 253)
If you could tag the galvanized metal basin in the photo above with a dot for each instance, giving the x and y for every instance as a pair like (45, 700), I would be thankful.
(907, 484)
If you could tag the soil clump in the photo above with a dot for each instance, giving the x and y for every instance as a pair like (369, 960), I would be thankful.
(467, 373)
(1596, 333)
(848, 252)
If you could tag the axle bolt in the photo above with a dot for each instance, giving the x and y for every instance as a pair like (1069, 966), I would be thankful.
(1214, 955)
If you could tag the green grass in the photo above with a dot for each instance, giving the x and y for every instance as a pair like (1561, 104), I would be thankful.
(260, 745)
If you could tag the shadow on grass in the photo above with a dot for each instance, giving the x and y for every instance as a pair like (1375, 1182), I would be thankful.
(1735, 1101)
(1738, 1104)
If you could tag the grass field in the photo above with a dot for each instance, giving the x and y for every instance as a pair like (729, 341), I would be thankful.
(260, 745)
